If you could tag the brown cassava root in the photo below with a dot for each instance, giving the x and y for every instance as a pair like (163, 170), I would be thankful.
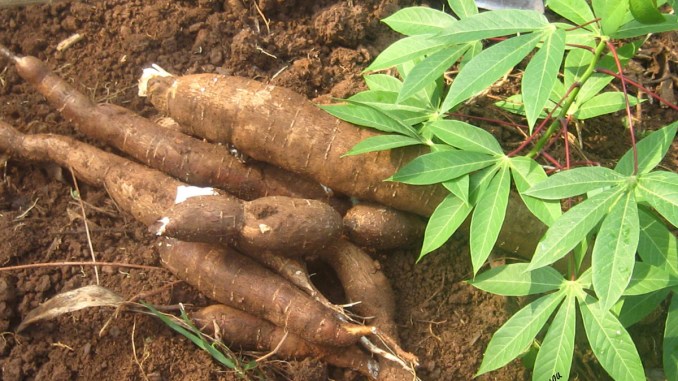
(235, 280)
(186, 158)
(150, 196)
(245, 331)
(382, 228)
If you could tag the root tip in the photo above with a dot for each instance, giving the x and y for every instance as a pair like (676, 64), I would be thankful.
(4, 51)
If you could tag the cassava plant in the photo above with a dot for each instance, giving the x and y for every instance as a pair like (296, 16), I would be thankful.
(612, 227)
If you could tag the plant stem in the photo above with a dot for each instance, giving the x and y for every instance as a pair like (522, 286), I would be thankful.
(555, 125)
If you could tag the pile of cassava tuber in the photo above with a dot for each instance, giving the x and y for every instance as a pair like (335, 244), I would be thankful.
(239, 230)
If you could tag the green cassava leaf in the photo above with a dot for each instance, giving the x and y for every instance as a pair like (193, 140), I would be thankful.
(410, 112)
(406, 49)
(514, 104)
(438, 167)
(660, 190)
(382, 143)
(429, 69)
(604, 103)
(577, 11)
(488, 66)
(576, 181)
(444, 221)
(463, 8)
(383, 82)
(670, 346)
(419, 20)
(610, 342)
(657, 245)
(614, 252)
(651, 151)
(514, 280)
(645, 11)
(611, 14)
(459, 187)
(636, 28)
(576, 63)
(365, 115)
(647, 278)
(479, 181)
(541, 75)
(518, 332)
(573, 227)
(635, 308)
(488, 217)
(557, 349)
(526, 173)
(466, 137)
(493, 24)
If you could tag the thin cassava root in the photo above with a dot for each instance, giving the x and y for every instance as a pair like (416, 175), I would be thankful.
(150, 196)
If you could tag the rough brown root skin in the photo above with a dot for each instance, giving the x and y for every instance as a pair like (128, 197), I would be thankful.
(382, 228)
(230, 278)
(278, 126)
(186, 158)
(365, 283)
(243, 330)
(286, 225)
(148, 195)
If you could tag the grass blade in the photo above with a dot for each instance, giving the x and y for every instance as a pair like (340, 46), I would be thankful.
(614, 252)
(488, 66)
(488, 217)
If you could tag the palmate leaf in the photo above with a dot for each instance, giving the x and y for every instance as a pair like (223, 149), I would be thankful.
(651, 151)
(463, 8)
(514, 280)
(660, 190)
(614, 252)
(479, 181)
(466, 137)
(555, 355)
(657, 245)
(419, 20)
(541, 75)
(573, 227)
(438, 167)
(444, 221)
(518, 332)
(459, 187)
(604, 103)
(670, 346)
(526, 172)
(488, 217)
(429, 69)
(488, 66)
(610, 342)
(577, 11)
(647, 278)
(382, 143)
(574, 182)
(635, 308)
(636, 28)
(493, 24)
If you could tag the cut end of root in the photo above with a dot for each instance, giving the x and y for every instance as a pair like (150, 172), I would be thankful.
(158, 228)
(184, 192)
(148, 74)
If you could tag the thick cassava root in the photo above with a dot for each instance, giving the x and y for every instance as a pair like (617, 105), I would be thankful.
(230, 278)
(186, 158)
(245, 331)
(150, 196)
(378, 227)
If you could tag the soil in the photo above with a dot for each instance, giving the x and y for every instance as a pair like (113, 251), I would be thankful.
(317, 48)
